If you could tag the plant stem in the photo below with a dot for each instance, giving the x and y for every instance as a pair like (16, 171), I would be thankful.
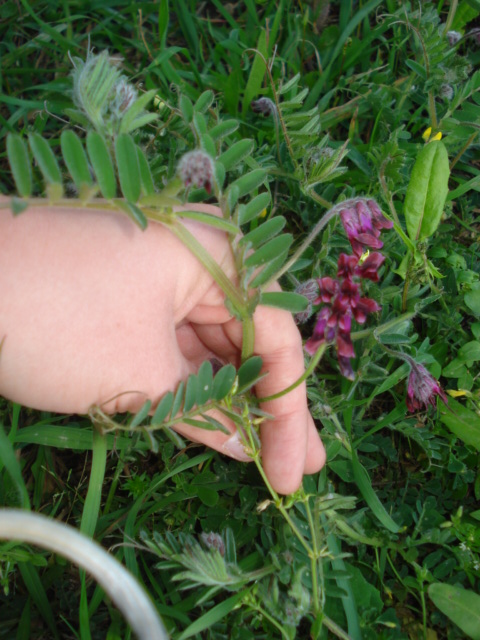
(335, 629)
(217, 273)
(308, 371)
(451, 14)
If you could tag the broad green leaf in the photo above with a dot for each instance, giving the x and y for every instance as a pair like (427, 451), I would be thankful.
(236, 153)
(133, 212)
(190, 393)
(204, 382)
(223, 381)
(139, 417)
(146, 179)
(364, 484)
(128, 169)
(20, 164)
(249, 371)
(163, 409)
(249, 182)
(75, 158)
(264, 232)
(269, 251)
(257, 72)
(252, 209)
(284, 300)
(461, 421)
(469, 351)
(462, 606)
(427, 191)
(102, 164)
(472, 299)
(211, 220)
(223, 129)
(45, 159)
(204, 101)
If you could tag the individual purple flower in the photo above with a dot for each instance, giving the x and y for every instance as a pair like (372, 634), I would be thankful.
(363, 223)
(422, 388)
(369, 267)
(196, 169)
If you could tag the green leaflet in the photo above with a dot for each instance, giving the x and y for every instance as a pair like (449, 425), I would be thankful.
(204, 101)
(20, 164)
(128, 169)
(264, 232)
(102, 164)
(223, 129)
(236, 153)
(427, 191)
(252, 209)
(45, 158)
(460, 605)
(146, 179)
(290, 301)
(186, 107)
(75, 158)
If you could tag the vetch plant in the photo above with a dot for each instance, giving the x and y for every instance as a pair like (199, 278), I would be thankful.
(287, 567)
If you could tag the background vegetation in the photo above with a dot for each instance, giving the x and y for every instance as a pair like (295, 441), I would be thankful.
(396, 509)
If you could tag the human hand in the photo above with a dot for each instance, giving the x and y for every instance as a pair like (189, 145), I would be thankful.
(92, 308)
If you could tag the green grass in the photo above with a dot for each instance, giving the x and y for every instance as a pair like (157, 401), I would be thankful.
(396, 509)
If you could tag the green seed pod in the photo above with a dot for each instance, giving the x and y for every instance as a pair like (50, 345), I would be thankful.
(427, 191)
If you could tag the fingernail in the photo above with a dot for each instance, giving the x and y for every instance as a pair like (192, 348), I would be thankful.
(234, 448)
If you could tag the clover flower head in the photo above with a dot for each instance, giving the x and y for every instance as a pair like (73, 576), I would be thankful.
(196, 170)
(264, 106)
(453, 37)
(125, 96)
(422, 388)
(308, 289)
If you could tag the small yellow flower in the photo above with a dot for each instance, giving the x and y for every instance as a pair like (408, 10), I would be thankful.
(263, 213)
(426, 133)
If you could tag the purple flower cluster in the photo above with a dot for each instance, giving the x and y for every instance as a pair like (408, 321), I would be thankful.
(341, 296)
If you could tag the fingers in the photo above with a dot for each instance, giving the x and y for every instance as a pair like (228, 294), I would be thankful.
(291, 445)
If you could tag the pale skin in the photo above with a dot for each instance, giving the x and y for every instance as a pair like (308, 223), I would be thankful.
(92, 307)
